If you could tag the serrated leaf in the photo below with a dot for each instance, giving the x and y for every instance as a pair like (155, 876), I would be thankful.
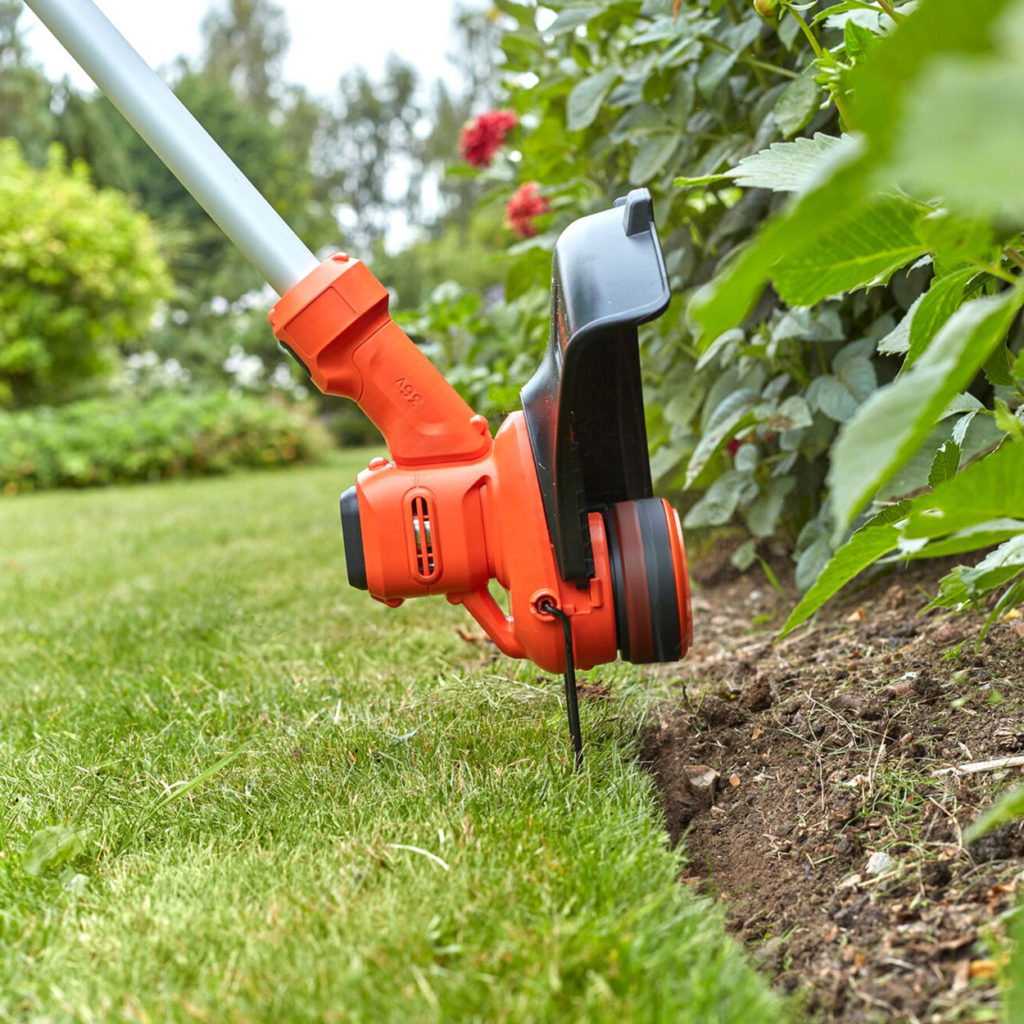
(873, 540)
(964, 402)
(1018, 366)
(945, 464)
(866, 247)
(897, 341)
(782, 167)
(586, 98)
(961, 426)
(936, 306)
(991, 488)
(890, 426)
(798, 103)
(954, 240)
(726, 300)
(785, 166)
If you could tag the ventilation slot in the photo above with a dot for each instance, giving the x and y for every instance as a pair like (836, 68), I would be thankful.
(423, 540)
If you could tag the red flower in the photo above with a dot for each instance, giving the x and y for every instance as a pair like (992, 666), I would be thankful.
(526, 204)
(482, 138)
(733, 446)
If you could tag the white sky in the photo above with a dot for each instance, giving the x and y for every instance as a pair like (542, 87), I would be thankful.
(327, 37)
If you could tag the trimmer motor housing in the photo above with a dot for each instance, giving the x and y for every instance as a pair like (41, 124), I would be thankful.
(557, 507)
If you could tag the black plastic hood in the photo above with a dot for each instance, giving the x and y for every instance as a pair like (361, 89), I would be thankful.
(584, 406)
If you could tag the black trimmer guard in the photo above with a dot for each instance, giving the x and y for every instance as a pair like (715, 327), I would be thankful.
(584, 407)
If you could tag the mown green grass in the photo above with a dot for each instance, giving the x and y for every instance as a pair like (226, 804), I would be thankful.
(382, 825)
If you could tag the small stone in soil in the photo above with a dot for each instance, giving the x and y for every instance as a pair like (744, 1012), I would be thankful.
(878, 863)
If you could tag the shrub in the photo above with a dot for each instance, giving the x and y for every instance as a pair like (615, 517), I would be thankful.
(837, 295)
(106, 441)
(928, 178)
(638, 92)
(79, 274)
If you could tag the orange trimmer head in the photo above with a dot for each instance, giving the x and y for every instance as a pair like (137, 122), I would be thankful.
(558, 506)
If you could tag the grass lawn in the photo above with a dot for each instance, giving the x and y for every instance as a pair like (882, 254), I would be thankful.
(231, 788)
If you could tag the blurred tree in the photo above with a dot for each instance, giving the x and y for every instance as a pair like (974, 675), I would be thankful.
(375, 149)
(25, 93)
(245, 42)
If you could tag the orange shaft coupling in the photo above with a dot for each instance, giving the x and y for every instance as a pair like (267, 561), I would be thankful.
(335, 321)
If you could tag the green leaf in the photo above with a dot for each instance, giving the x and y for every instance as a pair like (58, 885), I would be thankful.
(728, 297)
(731, 415)
(876, 538)
(991, 488)
(866, 246)
(936, 306)
(890, 426)
(786, 166)
(995, 569)
(832, 397)
(1005, 420)
(763, 514)
(798, 103)
(782, 167)
(997, 368)
(52, 847)
(858, 40)
(983, 535)
(877, 86)
(586, 98)
(955, 241)
(571, 18)
(1009, 807)
(1018, 366)
(792, 414)
(897, 341)
(945, 464)
(651, 155)
(718, 503)
(962, 136)
(704, 179)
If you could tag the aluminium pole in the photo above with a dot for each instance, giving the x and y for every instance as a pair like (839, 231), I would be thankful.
(179, 140)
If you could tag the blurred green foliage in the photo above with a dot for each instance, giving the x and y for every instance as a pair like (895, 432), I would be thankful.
(167, 435)
(80, 273)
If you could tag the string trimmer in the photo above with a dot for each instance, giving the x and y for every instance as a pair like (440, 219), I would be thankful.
(557, 506)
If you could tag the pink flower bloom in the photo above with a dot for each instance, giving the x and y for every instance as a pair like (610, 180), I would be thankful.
(526, 204)
(483, 137)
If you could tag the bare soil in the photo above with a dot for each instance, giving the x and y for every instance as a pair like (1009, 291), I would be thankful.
(810, 782)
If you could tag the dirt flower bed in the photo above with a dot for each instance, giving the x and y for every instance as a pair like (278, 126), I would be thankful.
(821, 786)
